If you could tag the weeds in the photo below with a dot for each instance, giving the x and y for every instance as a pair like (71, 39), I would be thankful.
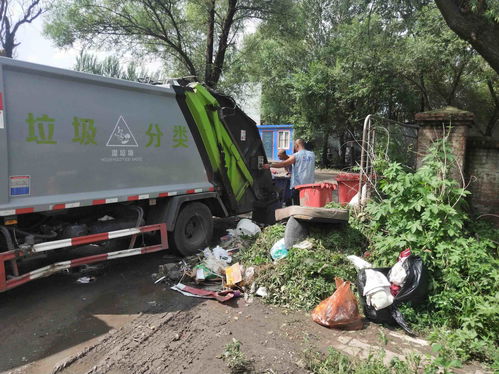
(426, 212)
(335, 362)
(236, 360)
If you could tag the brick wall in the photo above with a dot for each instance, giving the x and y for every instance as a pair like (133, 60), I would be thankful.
(482, 165)
(439, 123)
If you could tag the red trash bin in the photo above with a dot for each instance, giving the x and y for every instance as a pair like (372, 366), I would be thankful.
(316, 194)
(348, 186)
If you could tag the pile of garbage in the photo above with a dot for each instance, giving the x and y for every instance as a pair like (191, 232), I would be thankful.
(381, 291)
(212, 274)
(217, 274)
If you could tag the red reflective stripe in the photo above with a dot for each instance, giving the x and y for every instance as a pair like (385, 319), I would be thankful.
(88, 260)
(133, 198)
(1, 101)
(14, 282)
(190, 191)
(58, 206)
(152, 248)
(25, 210)
(163, 194)
(90, 238)
(99, 202)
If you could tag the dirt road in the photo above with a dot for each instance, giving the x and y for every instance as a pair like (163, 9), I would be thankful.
(123, 323)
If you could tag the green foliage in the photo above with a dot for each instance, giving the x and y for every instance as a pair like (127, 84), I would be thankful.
(335, 362)
(177, 31)
(425, 211)
(305, 276)
(111, 66)
(335, 205)
(259, 252)
(330, 63)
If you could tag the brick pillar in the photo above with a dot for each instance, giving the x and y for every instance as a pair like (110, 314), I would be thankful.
(436, 123)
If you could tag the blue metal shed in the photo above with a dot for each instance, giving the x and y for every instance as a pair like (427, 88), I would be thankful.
(275, 137)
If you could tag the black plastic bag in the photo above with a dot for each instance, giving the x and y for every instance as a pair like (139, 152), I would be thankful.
(414, 291)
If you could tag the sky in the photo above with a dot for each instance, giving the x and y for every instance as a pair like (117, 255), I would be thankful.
(37, 48)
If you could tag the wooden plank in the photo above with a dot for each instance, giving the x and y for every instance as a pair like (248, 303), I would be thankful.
(312, 214)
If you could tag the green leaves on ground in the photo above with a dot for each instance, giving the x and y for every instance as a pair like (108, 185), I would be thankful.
(305, 276)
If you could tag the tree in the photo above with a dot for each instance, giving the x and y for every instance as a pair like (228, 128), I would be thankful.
(112, 67)
(477, 22)
(194, 36)
(29, 10)
(336, 61)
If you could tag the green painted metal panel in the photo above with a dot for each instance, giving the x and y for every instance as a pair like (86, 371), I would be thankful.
(216, 139)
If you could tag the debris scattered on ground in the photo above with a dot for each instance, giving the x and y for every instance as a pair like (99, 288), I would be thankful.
(262, 292)
(278, 250)
(306, 244)
(210, 274)
(246, 227)
(233, 275)
(221, 296)
(171, 271)
(85, 280)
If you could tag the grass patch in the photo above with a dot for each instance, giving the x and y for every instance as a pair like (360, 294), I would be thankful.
(335, 362)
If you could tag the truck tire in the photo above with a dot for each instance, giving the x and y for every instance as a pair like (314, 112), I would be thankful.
(193, 229)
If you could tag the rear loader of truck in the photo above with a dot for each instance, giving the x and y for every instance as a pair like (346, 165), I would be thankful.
(94, 168)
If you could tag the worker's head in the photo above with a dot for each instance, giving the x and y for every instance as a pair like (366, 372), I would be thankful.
(282, 155)
(299, 145)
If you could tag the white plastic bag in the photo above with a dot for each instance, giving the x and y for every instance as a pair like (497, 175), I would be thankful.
(247, 227)
(278, 250)
(377, 290)
(359, 263)
(222, 254)
(397, 273)
(380, 299)
(214, 262)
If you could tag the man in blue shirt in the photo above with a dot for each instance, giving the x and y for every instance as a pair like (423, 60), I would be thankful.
(303, 162)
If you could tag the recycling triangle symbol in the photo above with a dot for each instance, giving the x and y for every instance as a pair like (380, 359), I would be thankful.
(122, 135)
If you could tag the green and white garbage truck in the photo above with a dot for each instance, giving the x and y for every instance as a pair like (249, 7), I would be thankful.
(87, 162)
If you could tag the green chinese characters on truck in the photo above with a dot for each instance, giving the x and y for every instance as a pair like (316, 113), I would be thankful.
(40, 129)
(84, 131)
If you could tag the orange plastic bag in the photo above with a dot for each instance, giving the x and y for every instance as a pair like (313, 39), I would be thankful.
(340, 310)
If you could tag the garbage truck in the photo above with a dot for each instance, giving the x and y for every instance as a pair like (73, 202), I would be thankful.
(95, 168)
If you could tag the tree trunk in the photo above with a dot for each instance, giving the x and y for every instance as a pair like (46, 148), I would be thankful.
(476, 29)
(209, 44)
(8, 47)
(325, 143)
(223, 42)
(343, 149)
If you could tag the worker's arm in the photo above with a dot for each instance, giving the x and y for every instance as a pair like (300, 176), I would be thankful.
(282, 164)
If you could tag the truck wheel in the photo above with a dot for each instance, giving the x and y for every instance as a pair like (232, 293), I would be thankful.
(193, 229)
